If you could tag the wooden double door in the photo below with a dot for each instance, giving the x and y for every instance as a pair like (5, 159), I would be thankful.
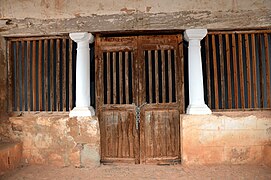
(139, 97)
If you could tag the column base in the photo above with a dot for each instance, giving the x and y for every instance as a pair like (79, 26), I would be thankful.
(82, 112)
(198, 109)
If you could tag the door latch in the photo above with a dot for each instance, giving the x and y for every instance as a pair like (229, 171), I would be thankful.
(138, 110)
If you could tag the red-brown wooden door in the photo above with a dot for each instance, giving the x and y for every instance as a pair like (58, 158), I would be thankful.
(139, 95)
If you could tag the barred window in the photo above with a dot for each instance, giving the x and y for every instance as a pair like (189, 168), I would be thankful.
(236, 67)
(42, 73)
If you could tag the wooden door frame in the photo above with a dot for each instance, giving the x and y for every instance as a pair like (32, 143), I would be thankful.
(138, 81)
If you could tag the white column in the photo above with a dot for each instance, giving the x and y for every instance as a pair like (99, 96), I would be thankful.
(82, 103)
(196, 94)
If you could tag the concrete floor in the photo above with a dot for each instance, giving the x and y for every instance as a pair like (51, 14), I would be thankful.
(141, 172)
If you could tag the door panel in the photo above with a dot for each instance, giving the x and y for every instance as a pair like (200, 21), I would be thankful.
(161, 84)
(161, 135)
(119, 136)
(115, 96)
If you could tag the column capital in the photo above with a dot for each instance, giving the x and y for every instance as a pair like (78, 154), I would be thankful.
(81, 37)
(194, 34)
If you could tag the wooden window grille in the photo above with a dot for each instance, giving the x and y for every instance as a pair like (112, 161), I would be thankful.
(237, 67)
(160, 76)
(41, 73)
(118, 77)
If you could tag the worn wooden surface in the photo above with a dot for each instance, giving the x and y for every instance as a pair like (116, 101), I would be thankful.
(245, 81)
(42, 66)
(135, 71)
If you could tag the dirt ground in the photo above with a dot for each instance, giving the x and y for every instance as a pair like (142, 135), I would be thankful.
(140, 172)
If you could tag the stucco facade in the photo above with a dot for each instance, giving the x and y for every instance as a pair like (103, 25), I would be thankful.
(54, 17)
(219, 138)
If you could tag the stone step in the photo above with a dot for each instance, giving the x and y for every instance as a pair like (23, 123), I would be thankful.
(10, 156)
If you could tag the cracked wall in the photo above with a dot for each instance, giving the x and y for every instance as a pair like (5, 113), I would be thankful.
(228, 137)
(60, 9)
(19, 18)
(57, 139)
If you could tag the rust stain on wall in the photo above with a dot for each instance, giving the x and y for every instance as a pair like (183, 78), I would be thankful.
(59, 4)
(148, 9)
(240, 155)
(45, 3)
(128, 11)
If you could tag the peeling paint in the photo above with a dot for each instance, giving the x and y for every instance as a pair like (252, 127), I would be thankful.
(141, 21)
(53, 139)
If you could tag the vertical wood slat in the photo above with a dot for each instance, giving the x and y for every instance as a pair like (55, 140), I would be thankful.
(120, 79)
(261, 71)
(222, 79)
(46, 74)
(228, 58)
(215, 73)
(18, 76)
(119, 132)
(156, 76)
(64, 72)
(28, 76)
(180, 77)
(23, 62)
(114, 136)
(254, 71)
(70, 75)
(127, 77)
(208, 74)
(135, 69)
(151, 133)
(150, 76)
(114, 84)
(40, 66)
(147, 133)
(176, 75)
(11, 78)
(130, 135)
(34, 70)
(52, 74)
(162, 118)
(108, 75)
(125, 135)
(235, 77)
(163, 63)
(248, 71)
(241, 72)
(58, 75)
(140, 83)
(168, 133)
(267, 71)
(169, 76)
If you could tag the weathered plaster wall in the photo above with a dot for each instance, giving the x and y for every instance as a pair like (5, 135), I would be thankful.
(232, 137)
(32, 17)
(57, 139)
(267, 155)
(54, 9)
(220, 138)
(10, 156)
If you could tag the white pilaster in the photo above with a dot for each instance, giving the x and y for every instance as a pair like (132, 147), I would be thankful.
(196, 94)
(82, 103)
